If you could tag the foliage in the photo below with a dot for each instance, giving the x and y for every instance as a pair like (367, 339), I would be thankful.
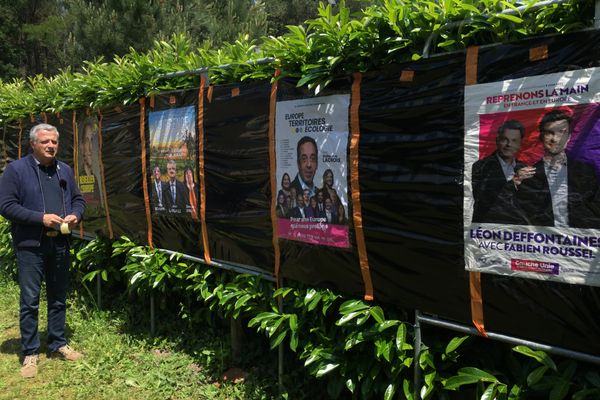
(95, 259)
(121, 362)
(360, 349)
(8, 263)
(533, 374)
(334, 44)
(148, 269)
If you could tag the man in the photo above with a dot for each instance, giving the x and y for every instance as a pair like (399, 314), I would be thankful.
(493, 190)
(299, 211)
(320, 204)
(557, 190)
(176, 199)
(307, 158)
(159, 189)
(39, 196)
(330, 213)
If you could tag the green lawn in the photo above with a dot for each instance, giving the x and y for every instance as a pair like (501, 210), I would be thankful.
(122, 362)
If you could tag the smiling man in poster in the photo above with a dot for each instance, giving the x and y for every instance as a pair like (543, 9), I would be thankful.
(492, 178)
(308, 162)
(561, 191)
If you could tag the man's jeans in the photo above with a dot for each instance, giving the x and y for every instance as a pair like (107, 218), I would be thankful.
(50, 260)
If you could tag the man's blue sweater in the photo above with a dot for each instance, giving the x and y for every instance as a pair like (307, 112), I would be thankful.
(22, 200)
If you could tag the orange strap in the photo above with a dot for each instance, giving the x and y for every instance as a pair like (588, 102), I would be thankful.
(474, 277)
(354, 182)
(209, 94)
(4, 145)
(192, 200)
(273, 177)
(75, 144)
(200, 123)
(103, 179)
(20, 138)
(235, 92)
(75, 158)
(144, 172)
(476, 302)
(471, 65)
(538, 53)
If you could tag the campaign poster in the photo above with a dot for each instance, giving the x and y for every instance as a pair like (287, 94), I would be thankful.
(312, 170)
(89, 171)
(173, 182)
(531, 180)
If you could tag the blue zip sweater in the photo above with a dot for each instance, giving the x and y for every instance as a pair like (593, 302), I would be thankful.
(22, 200)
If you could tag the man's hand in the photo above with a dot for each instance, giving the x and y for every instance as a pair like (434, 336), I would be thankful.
(70, 219)
(522, 174)
(51, 220)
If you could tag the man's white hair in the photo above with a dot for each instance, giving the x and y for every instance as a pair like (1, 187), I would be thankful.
(33, 133)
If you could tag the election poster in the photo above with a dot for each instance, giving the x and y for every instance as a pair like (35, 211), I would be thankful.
(173, 188)
(89, 171)
(531, 180)
(312, 170)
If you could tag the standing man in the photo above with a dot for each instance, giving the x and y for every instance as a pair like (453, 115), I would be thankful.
(493, 190)
(307, 158)
(176, 199)
(39, 196)
(557, 190)
(159, 189)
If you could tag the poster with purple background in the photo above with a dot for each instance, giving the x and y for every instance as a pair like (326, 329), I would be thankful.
(532, 177)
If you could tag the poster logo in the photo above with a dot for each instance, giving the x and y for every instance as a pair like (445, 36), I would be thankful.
(534, 266)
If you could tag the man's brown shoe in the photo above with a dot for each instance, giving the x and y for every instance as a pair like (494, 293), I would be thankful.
(29, 368)
(66, 353)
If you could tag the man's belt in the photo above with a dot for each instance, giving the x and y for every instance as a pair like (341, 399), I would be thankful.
(52, 233)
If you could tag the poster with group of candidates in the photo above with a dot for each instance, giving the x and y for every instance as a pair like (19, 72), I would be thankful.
(312, 171)
(531, 178)
(173, 187)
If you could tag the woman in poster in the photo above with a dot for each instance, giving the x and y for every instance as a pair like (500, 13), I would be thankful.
(339, 208)
(285, 185)
(328, 189)
(311, 210)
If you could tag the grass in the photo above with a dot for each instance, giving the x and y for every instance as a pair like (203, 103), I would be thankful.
(121, 361)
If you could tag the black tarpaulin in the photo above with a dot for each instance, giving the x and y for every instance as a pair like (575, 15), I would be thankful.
(123, 172)
(237, 174)
(411, 162)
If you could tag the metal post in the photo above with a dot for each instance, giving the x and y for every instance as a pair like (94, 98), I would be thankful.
(417, 348)
(280, 351)
(576, 355)
(98, 291)
(597, 15)
(152, 324)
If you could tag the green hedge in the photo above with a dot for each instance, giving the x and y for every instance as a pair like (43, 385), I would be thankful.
(333, 44)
